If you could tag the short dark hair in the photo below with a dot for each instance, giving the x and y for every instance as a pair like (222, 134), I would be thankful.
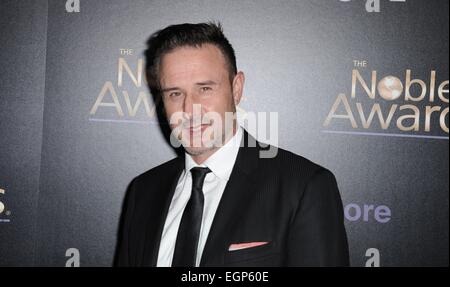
(181, 35)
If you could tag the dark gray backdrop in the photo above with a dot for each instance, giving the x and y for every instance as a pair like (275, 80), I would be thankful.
(64, 171)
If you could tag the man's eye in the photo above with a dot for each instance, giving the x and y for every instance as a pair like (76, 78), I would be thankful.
(175, 94)
(205, 89)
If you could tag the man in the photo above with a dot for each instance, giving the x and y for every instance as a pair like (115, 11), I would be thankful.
(222, 204)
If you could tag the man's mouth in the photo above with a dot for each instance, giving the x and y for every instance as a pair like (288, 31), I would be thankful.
(199, 128)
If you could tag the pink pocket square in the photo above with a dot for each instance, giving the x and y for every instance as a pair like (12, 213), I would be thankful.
(239, 246)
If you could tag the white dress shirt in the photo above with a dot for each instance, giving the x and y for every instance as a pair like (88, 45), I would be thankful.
(221, 164)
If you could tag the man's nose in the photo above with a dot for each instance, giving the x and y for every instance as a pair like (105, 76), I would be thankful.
(191, 106)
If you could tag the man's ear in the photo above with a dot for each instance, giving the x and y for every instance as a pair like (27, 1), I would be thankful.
(238, 87)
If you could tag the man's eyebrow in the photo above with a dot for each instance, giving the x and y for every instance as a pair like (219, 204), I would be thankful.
(204, 83)
(210, 82)
(169, 89)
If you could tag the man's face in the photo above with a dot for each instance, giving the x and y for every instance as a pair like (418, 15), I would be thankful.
(197, 93)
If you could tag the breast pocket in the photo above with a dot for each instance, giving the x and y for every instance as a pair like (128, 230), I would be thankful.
(251, 254)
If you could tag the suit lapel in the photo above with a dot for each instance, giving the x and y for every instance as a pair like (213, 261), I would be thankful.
(156, 220)
(237, 193)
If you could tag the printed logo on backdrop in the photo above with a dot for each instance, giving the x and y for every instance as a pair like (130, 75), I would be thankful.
(127, 98)
(381, 104)
(372, 6)
(74, 257)
(4, 212)
(374, 257)
(367, 213)
(73, 6)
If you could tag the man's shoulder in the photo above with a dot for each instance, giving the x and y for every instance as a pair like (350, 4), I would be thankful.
(294, 165)
(297, 174)
(158, 171)
(289, 158)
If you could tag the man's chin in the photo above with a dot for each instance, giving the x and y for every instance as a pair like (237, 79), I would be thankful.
(195, 151)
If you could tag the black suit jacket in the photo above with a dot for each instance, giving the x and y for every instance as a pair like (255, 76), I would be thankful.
(287, 201)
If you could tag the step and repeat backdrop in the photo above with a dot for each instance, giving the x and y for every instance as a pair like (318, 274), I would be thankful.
(360, 87)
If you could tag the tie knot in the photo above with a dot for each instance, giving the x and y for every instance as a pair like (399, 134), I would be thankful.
(198, 176)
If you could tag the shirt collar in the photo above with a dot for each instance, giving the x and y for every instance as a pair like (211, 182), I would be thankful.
(222, 161)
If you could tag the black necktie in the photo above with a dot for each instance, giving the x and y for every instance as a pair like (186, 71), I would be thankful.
(189, 231)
